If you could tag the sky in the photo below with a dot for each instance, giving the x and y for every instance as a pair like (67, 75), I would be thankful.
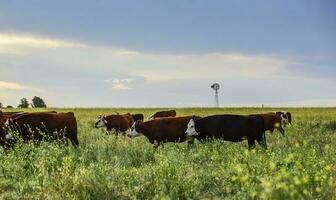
(155, 53)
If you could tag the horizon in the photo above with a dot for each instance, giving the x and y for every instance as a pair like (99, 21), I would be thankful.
(113, 54)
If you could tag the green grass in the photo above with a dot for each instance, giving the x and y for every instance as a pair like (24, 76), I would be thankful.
(301, 165)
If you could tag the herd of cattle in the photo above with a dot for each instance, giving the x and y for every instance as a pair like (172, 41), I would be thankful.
(161, 127)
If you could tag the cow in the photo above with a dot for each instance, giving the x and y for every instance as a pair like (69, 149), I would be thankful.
(167, 113)
(273, 121)
(114, 123)
(162, 130)
(136, 117)
(234, 128)
(45, 125)
(5, 138)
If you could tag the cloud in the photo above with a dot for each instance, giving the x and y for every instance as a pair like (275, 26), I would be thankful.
(127, 52)
(155, 67)
(11, 40)
(165, 68)
(10, 86)
(120, 84)
(182, 77)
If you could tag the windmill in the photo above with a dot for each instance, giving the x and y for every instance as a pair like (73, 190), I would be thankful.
(215, 87)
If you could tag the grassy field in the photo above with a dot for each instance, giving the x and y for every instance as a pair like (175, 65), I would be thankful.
(301, 165)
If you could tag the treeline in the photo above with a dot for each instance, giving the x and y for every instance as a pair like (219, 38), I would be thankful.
(36, 102)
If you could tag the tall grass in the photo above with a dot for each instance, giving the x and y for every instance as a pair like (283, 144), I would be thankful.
(301, 165)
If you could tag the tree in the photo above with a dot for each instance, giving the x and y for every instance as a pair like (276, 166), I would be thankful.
(9, 106)
(1, 106)
(38, 102)
(24, 103)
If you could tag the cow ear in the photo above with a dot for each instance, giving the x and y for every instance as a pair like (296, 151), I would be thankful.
(193, 117)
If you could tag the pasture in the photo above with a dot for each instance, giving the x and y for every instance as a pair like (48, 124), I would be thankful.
(301, 165)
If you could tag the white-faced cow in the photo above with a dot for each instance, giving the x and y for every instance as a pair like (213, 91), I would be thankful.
(162, 130)
(234, 128)
(114, 124)
(45, 125)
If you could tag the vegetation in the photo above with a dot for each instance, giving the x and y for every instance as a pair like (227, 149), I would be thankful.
(301, 165)
(23, 103)
(38, 102)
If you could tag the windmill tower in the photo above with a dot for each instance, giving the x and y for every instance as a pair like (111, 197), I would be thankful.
(215, 87)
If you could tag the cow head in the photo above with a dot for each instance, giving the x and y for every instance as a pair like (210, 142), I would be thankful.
(286, 117)
(133, 131)
(100, 121)
(191, 130)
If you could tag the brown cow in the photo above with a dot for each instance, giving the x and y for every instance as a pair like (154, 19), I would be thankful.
(162, 130)
(272, 121)
(39, 126)
(167, 113)
(114, 123)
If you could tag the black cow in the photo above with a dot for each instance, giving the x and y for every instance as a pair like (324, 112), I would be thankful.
(137, 117)
(234, 128)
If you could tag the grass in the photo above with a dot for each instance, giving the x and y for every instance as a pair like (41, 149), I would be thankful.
(301, 165)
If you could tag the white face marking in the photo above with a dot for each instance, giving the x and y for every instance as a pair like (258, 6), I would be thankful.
(133, 133)
(9, 136)
(191, 128)
(284, 120)
(100, 122)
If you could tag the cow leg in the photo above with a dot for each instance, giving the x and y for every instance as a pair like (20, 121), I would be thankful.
(251, 143)
(262, 141)
(74, 141)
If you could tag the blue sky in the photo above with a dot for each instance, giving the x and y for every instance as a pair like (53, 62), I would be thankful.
(168, 53)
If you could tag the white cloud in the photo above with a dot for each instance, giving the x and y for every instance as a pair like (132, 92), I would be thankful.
(120, 84)
(11, 40)
(127, 52)
(148, 72)
(10, 86)
(155, 67)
